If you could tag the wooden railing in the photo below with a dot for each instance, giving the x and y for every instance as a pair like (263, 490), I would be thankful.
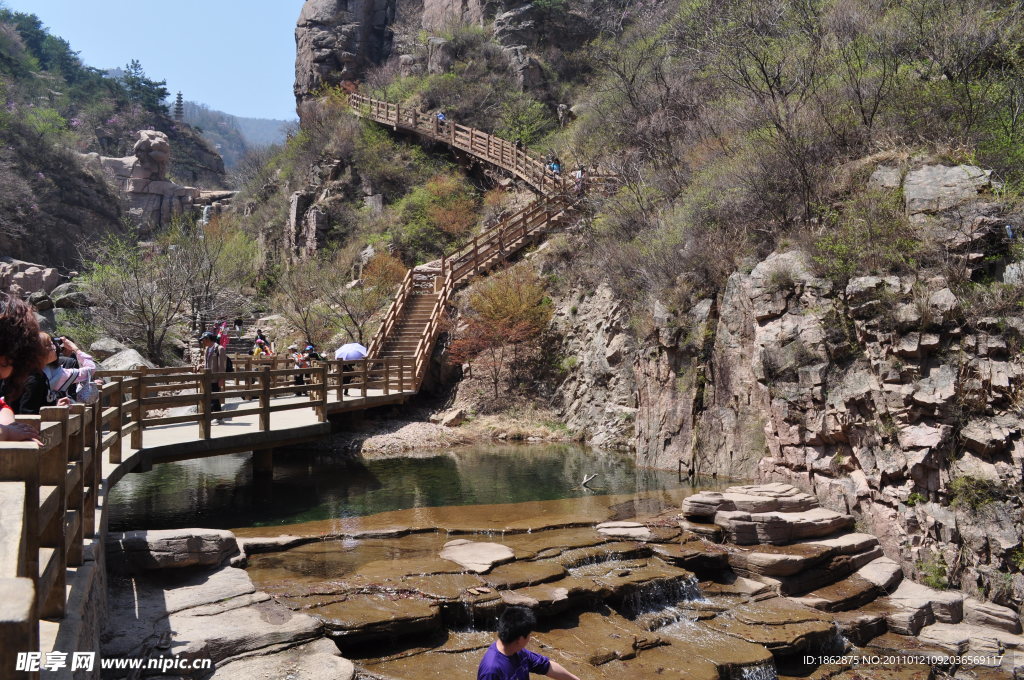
(391, 318)
(488, 249)
(494, 150)
(50, 492)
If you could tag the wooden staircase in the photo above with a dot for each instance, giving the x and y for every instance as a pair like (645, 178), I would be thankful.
(416, 315)
(405, 337)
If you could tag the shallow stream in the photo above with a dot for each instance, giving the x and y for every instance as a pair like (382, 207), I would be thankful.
(223, 493)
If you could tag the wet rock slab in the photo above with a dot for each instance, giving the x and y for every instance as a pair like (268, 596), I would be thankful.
(319, 660)
(476, 556)
(782, 626)
(214, 615)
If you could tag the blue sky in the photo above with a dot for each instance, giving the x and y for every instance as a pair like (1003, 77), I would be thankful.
(236, 56)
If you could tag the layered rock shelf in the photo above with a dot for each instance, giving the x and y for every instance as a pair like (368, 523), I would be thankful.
(776, 535)
(670, 595)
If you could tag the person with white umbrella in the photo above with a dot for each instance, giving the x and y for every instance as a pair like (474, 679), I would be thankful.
(352, 351)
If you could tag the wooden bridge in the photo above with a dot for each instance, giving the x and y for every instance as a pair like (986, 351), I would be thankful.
(53, 494)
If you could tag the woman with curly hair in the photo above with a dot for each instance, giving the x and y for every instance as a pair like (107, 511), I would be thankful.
(21, 355)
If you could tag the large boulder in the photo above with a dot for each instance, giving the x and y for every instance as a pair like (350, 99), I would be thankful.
(41, 301)
(75, 300)
(934, 188)
(137, 551)
(104, 348)
(126, 360)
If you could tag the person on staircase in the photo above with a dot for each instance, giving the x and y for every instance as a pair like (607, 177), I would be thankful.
(223, 338)
(216, 361)
(579, 178)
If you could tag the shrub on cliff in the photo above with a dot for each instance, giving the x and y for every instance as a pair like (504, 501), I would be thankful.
(435, 217)
(733, 116)
(867, 234)
(505, 316)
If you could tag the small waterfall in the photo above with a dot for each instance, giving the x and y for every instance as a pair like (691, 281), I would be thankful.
(763, 672)
(461, 616)
(656, 596)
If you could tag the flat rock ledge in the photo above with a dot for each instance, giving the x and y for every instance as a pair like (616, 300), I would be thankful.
(777, 514)
(476, 557)
(139, 551)
(208, 611)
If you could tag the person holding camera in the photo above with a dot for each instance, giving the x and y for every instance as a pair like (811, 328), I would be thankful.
(63, 381)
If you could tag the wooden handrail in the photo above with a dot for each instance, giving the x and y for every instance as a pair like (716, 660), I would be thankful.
(55, 486)
(487, 250)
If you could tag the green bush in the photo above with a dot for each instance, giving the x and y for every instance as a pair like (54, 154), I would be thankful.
(915, 498)
(971, 492)
(525, 119)
(435, 217)
(933, 573)
(868, 234)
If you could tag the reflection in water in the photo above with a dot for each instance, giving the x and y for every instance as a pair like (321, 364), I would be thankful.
(222, 492)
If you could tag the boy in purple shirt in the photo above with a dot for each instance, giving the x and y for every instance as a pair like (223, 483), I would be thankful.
(508, 658)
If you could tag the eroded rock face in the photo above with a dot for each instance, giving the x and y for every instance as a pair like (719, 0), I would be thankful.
(336, 39)
(934, 188)
(872, 397)
(24, 278)
(597, 396)
(439, 14)
(152, 199)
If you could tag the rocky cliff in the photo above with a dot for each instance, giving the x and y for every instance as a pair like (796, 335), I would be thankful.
(54, 207)
(336, 41)
(892, 398)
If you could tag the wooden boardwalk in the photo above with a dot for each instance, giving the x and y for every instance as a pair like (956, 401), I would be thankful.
(52, 496)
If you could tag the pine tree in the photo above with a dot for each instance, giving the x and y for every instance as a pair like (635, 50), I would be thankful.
(179, 109)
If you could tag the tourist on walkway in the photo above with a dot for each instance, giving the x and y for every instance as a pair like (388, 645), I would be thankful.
(216, 361)
(509, 659)
(222, 334)
(301, 361)
(20, 356)
(349, 352)
(260, 336)
(260, 349)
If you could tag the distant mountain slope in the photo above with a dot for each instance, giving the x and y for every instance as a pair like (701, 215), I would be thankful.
(264, 131)
(232, 135)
